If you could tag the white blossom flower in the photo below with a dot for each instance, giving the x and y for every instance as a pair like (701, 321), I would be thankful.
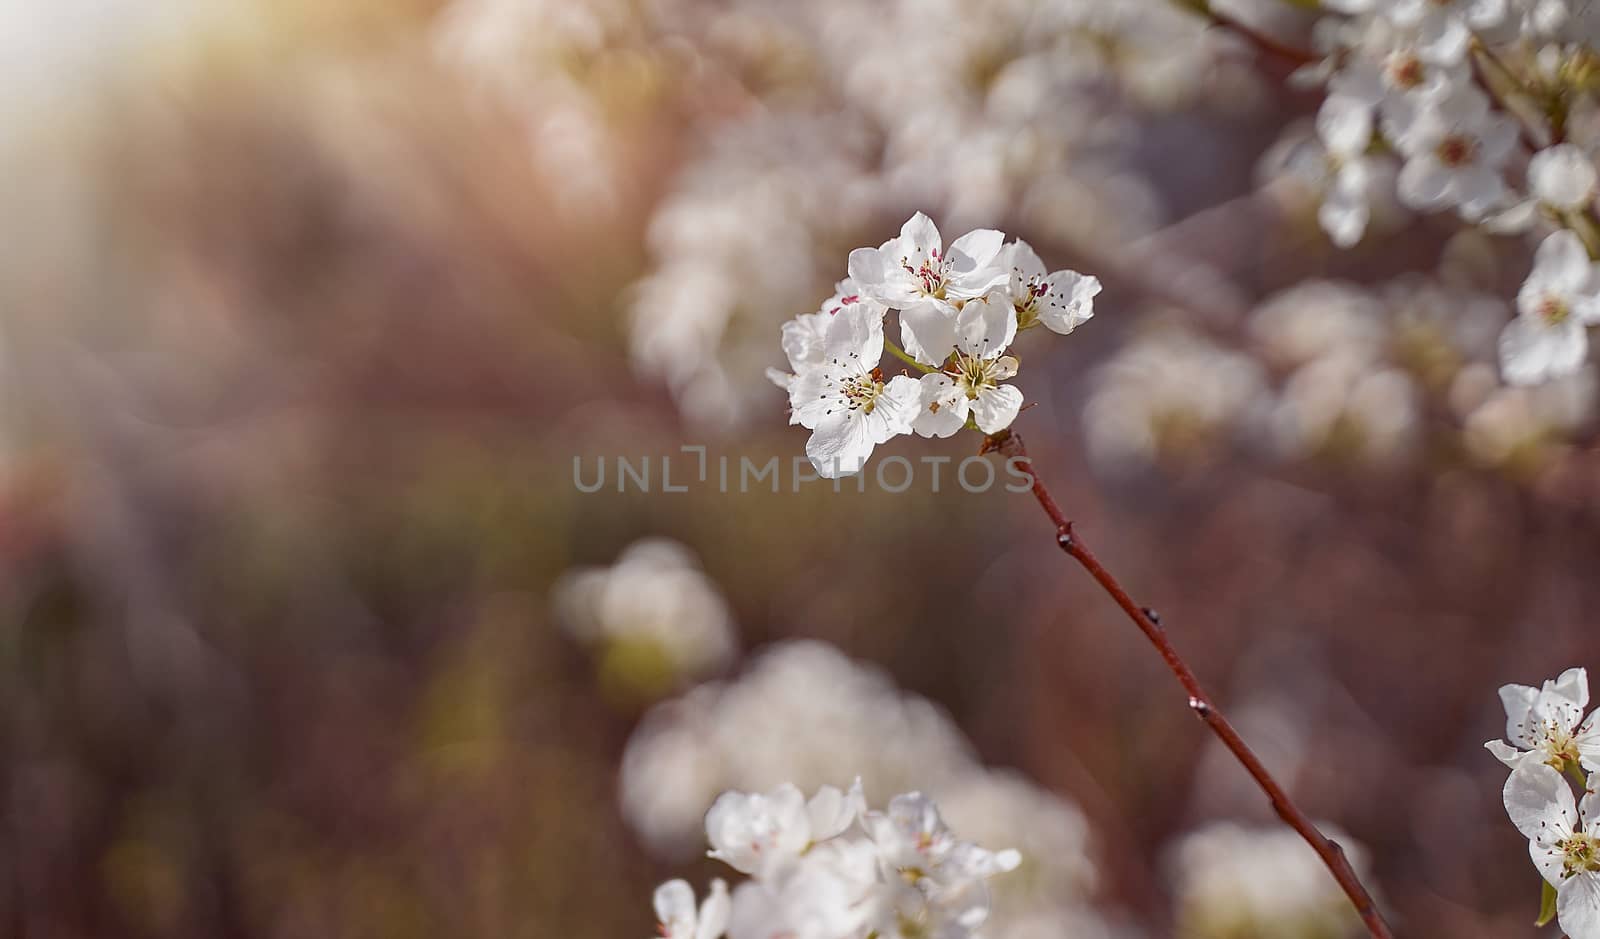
(1560, 842)
(1562, 177)
(836, 892)
(769, 726)
(1060, 301)
(1344, 126)
(654, 605)
(1051, 834)
(1172, 390)
(1232, 880)
(1445, 27)
(845, 401)
(908, 877)
(1455, 147)
(915, 266)
(970, 385)
(1387, 68)
(680, 919)
(1560, 297)
(805, 335)
(911, 836)
(755, 832)
(1546, 724)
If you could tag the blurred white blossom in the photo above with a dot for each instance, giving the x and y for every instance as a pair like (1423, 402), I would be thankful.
(902, 873)
(653, 611)
(769, 726)
(1232, 880)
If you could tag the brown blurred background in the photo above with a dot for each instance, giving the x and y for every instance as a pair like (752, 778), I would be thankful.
(303, 327)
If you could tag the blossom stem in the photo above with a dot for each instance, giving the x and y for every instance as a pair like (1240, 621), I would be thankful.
(900, 354)
(1268, 45)
(1332, 855)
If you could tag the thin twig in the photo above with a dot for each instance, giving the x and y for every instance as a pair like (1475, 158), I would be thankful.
(1329, 851)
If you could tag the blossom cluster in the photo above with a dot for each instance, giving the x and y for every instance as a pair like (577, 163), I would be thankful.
(1483, 108)
(768, 725)
(829, 868)
(1235, 880)
(1377, 377)
(960, 308)
(652, 618)
(1549, 741)
(1034, 114)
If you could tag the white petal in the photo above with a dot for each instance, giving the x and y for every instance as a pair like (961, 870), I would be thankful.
(1547, 860)
(986, 325)
(714, 912)
(1022, 261)
(898, 405)
(1069, 302)
(1344, 213)
(1573, 684)
(928, 331)
(1518, 703)
(943, 409)
(754, 910)
(1424, 183)
(1514, 220)
(1562, 263)
(1484, 14)
(869, 268)
(854, 338)
(1540, 804)
(976, 249)
(1504, 752)
(1588, 741)
(1443, 39)
(1344, 125)
(674, 903)
(840, 444)
(1531, 352)
(831, 813)
(919, 238)
(812, 396)
(1562, 176)
(1578, 906)
(1478, 190)
(995, 408)
(1497, 137)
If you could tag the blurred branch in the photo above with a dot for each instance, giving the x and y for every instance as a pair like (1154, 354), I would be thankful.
(1328, 850)
(1267, 45)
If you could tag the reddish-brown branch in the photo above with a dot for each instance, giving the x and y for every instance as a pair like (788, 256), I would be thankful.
(1329, 851)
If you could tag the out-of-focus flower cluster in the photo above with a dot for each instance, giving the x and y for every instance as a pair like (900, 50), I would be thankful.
(1548, 740)
(828, 868)
(833, 118)
(1384, 377)
(653, 618)
(960, 308)
(803, 712)
(1481, 108)
(1233, 881)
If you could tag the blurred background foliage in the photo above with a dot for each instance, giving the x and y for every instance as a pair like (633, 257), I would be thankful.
(303, 327)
